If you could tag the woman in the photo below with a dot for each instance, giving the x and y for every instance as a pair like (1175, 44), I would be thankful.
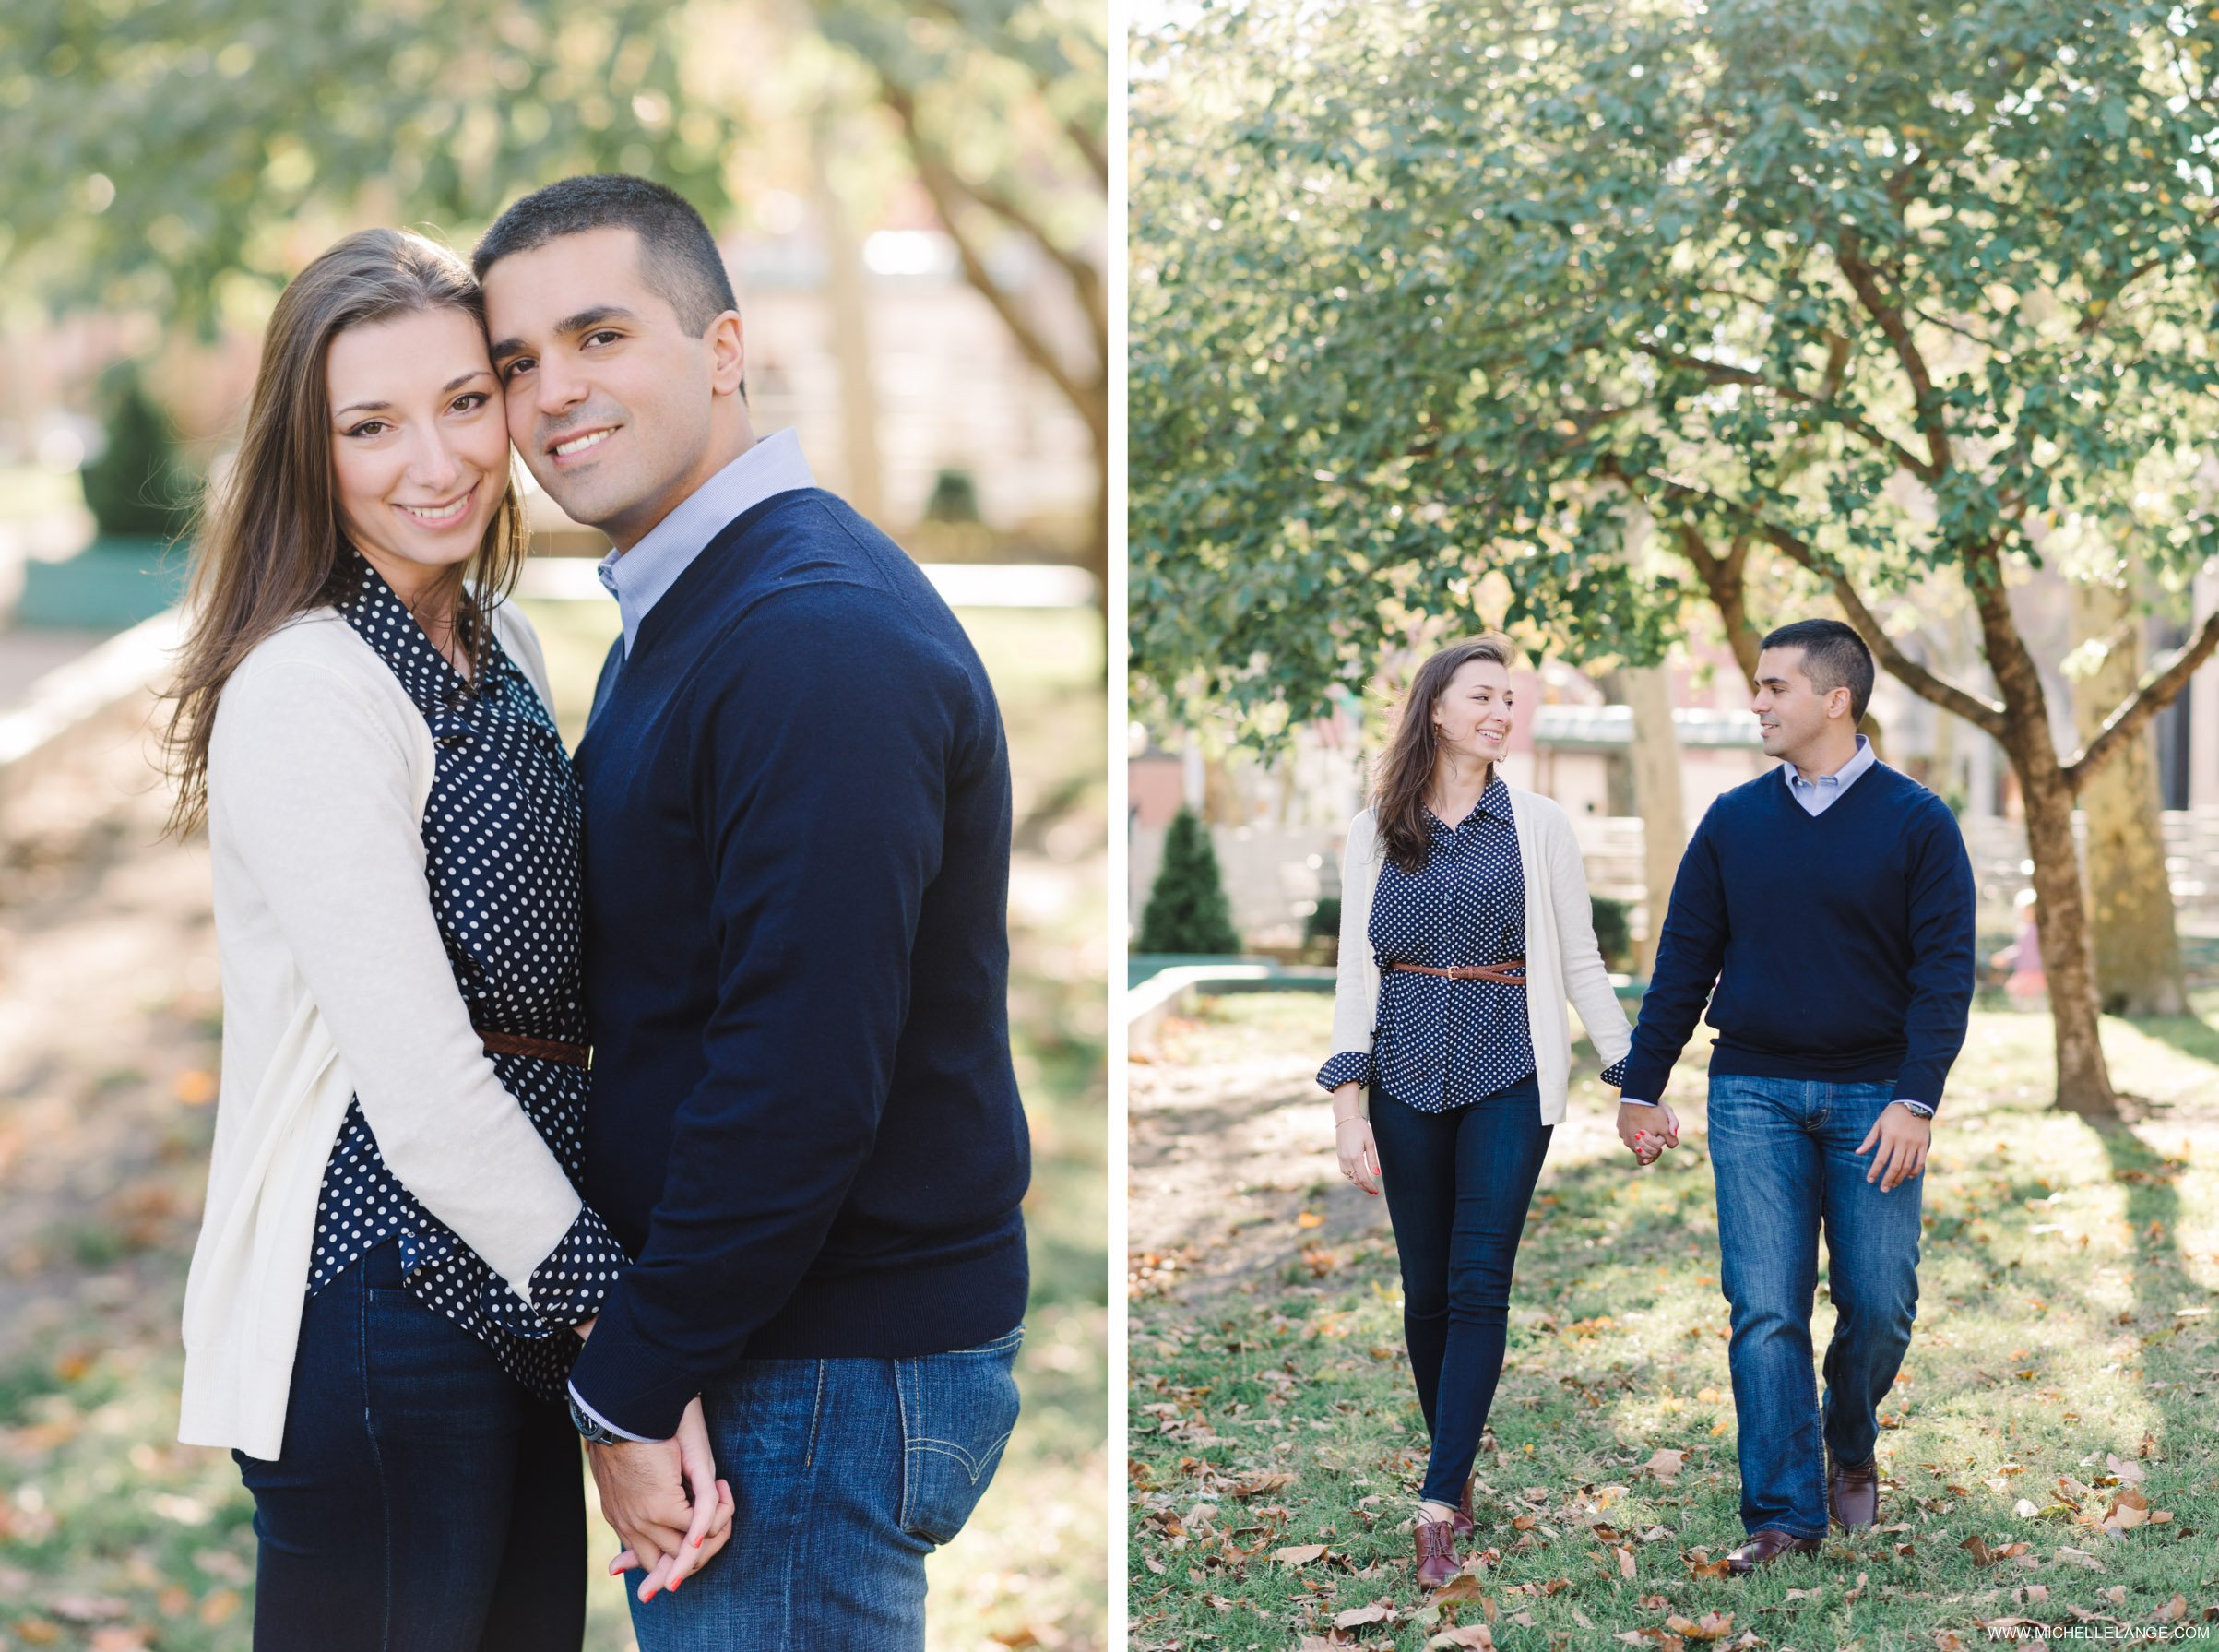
(395, 1268)
(1465, 926)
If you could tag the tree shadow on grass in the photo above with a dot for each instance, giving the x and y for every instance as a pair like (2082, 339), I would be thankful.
(2162, 1285)
(2190, 1035)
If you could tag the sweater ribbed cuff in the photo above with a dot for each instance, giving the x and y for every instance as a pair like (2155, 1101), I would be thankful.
(627, 1380)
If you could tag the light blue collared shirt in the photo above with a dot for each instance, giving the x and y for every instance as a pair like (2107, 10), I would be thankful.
(638, 577)
(1820, 795)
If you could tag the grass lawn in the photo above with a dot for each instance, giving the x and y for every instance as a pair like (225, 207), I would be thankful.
(2064, 1369)
(114, 1538)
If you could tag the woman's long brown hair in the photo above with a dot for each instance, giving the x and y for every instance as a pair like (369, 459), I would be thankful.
(1406, 772)
(269, 544)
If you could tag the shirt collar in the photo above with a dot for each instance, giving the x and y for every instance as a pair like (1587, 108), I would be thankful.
(1493, 802)
(1841, 778)
(638, 577)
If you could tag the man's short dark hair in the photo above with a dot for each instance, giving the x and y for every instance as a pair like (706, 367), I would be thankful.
(1834, 657)
(678, 255)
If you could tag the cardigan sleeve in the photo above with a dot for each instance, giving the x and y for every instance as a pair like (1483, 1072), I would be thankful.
(1355, 977)
(1587, 980)
(310, 783)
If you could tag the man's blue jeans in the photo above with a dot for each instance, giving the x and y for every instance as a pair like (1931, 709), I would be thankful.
(846, 1474)
(1784, 1153)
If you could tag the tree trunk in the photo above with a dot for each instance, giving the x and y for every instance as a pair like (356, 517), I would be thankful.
(2138, 970)
(2083, 1076)
(1656, 795)
(851, 326)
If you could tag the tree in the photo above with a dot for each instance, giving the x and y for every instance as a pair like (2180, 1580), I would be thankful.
(187, 157)
(1037, 168)
(134, 489)
(1880, 293)
(1187, 910)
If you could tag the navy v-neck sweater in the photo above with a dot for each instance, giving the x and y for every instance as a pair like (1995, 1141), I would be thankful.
(803, 1121)
(1841, 944)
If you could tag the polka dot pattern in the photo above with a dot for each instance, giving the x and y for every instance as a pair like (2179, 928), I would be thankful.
(1439, 1044)
(501, 840)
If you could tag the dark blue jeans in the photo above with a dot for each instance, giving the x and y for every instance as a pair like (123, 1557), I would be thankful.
(1457, 1185)
(846, 1474)
(1784, 1154)
(423, 1502)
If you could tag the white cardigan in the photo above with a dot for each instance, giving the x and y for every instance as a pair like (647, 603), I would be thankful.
(336, 983)
(1561, 959)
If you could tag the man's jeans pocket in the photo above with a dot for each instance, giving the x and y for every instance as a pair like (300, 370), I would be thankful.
(957, 1411)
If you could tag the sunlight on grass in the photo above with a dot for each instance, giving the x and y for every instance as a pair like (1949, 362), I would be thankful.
(112, 1536)
(2064, 1358)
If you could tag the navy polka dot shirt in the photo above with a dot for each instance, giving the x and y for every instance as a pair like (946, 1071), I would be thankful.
(1439, 1044)
(501, 844)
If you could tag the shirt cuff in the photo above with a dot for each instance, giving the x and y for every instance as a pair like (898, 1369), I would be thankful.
(1615, 1073)
(1351, 1066)
(579, 1400)
(568, 1289)
(1923, 1109)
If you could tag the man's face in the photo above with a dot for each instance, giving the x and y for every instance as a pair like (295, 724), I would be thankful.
(1791, 713)
(610, 398)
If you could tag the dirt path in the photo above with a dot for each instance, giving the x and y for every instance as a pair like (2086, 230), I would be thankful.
(109, 1013)
(1226, 1148)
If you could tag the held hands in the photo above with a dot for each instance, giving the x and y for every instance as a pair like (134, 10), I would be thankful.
(1352, 1140)
(1647, 1131)
(646, 1492)
(1903, 1137)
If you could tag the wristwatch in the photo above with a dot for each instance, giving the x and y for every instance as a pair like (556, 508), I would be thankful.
(1920, 1107)
(596, 1431)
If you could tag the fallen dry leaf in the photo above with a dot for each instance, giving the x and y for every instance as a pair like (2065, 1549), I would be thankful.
(1666, 1466)
(1711, 1626)
(1298, 1554)
(1476, 1635)
(1310, 1219)
(2173, 1611)
(1375, 1613)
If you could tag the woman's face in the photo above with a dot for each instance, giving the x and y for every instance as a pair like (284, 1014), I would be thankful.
(1474, 714)
(419, 442)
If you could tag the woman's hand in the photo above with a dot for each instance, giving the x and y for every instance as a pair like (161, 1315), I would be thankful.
(1647, 1131)
(712, 1504)
(1352, 1138)
(1360, 1155)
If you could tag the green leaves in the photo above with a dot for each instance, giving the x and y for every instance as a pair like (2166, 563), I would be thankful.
(1897, 283)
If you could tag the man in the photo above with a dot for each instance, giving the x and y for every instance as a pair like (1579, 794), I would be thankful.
(1832, 903)
(804, 1124)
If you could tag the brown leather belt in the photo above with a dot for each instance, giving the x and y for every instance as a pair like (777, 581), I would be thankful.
(515, 1043)
(1499, 972)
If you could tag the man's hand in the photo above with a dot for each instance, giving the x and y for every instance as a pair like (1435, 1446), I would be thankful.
(1647, 1131)
(1903, 1138)
(665, 1501)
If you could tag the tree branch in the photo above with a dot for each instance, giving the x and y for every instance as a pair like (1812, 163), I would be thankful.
(1718, 373)
(941, 186)
(1083, 276)
(1866, 285)
(2157, 690)
(1984, 714)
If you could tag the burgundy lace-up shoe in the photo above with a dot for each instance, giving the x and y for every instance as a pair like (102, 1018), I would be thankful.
(1462, 1521)
(1437, 1560)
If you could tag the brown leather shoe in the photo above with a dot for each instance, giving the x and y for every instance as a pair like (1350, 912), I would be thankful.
(1461, 1521)
(1764, 1547)
(1853, 1493)
(1437, 1560)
